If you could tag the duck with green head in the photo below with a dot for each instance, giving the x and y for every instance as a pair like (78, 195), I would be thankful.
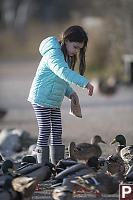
(78, 169)
(126, 152)
(101, 182)
(122, 142)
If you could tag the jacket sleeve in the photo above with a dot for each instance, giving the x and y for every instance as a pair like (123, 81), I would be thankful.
(69, 91)
(56, 62)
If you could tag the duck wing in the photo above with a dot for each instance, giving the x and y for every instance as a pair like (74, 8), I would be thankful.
(107, 184)
(84, 151)
(115, 164)
(127, 153)
(25, 185)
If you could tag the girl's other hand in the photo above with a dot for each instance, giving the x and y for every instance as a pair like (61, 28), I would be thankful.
(89, 88)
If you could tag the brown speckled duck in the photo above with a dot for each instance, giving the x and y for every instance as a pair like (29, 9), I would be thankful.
(84, 151)
(115, 164)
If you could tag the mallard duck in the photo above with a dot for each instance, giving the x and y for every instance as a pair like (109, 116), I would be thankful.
(62, 192)
(78, 169)
(84, 151)
(36, 171)
(122, 143)
(115, 164)
(126, 152)
(102, 182)
(29, 178)
(63, 164)
(71, 170)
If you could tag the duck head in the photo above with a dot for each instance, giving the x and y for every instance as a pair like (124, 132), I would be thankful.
(120, 139)
(94, 163)
(28, 159)
(97, 139)
(7, 164)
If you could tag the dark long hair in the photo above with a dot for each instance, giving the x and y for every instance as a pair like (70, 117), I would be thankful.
(75, 34)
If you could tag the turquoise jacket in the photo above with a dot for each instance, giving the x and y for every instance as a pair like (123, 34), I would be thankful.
(51, 82)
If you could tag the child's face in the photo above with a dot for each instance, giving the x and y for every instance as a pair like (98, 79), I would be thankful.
(73, 48)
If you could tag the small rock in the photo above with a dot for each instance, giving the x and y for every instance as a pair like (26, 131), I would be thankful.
(9, 141)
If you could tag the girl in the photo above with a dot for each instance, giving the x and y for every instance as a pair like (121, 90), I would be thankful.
(51, 83)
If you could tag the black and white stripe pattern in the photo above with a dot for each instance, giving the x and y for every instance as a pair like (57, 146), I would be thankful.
(49, 124)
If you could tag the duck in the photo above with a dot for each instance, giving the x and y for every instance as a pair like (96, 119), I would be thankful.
(63, 164)
(29, 178)
(37, 171)
(22, 187)
(70, 171)
(77, 169)
(84, 151)
(99, 182)
(125, 152)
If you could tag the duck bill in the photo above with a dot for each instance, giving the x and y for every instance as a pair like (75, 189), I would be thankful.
(103, 142)
(113, 141)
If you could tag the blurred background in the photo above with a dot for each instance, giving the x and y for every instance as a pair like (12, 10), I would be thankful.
(109, 24)
(25, 23)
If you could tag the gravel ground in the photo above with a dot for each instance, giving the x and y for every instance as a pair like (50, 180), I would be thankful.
(46, 193)
(106, 116)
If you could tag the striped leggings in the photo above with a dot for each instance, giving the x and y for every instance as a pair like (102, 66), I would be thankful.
(49, 124)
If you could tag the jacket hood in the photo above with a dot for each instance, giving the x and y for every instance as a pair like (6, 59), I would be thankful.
(49, 43)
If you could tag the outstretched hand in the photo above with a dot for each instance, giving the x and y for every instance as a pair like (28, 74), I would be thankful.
(89, 88)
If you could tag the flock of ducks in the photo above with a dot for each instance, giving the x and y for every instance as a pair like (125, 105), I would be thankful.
(84, 170)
